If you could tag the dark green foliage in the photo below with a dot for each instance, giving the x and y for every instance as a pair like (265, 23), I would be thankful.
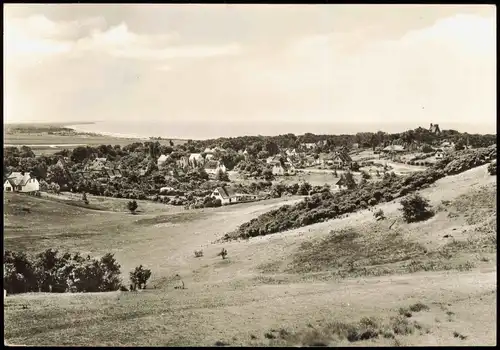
(139, 277)
(416, 208)
(51, 272)
(492, 168)
(132, 206)
(326, 206)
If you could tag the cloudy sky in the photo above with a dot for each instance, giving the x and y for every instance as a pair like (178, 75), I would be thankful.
(318, 63)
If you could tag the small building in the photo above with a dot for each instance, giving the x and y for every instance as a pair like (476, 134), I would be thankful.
(309, 145)
(196, 159)
(283, 168)
(21, 182)
(213, 166)
(226, 195)
(113, 173)
(341, 184)
(393, 149)
(162, 160)
(341, 160)
(434, 128)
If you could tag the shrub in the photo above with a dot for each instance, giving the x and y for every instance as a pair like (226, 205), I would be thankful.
(198, 253)
(51, 272)
(223, 253)
(132, 206)
(416, 208)
(492, 168)
(139, 277)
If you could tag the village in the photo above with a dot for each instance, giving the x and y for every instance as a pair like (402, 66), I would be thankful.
(305, 163)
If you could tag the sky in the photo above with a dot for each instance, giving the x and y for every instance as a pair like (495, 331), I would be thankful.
(279, 63)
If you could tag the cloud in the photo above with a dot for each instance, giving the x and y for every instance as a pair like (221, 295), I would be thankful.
(33, 39)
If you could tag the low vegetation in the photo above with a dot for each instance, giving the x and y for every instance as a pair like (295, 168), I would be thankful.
(416, 208)
(52, 272)
(139, 277)
(324, 206)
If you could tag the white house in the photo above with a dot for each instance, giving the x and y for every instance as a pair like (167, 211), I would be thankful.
(19, 182)
(196, 159)
(225, 194)
(341, 184)
(310, 145)
(285, 168)
(393, 149)
(291, 153)
(340, 160)
(162, 159)
(212, 167)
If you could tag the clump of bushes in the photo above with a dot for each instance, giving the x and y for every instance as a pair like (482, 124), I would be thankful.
(416, 208)
(492, 168)
(51, 272)
(139, 277)
(132, 206)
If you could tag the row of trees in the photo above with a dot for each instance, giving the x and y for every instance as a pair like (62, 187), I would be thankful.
(50, 271)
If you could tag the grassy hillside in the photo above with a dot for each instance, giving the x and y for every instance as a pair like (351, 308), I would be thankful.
(349, 281)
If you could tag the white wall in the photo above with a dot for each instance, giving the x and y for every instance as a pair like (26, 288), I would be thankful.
(31, 186)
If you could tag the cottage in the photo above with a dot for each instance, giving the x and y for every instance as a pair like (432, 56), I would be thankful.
(283, 168)
(394, 149)
(309, 145)
(21, 182)
(96, 164)
(213, 167)
(434, 128)
(162, 160)
(225, 194)
(183, 162)
(341, 184)
(291, 153)
(341, 159)
(196, 159)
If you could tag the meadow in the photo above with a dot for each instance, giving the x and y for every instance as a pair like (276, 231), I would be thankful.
(348, 281)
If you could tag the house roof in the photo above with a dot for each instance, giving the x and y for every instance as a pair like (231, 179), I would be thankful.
(434, 128)
(226, 192)
(162, 158)
(18, 179)
(212, 164)
(342, 181)
(343, 156)
(394, 148)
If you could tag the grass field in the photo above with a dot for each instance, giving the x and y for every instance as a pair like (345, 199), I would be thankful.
(350, 281)
(44, 143)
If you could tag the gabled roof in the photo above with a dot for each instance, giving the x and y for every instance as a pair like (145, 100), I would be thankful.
(342, 181)
(394, 148)
(18, 179)
(226, 192)
(162, 158)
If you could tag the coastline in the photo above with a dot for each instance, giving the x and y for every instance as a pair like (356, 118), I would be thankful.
(78, 129)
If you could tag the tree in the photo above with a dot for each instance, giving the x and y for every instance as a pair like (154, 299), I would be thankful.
(171, 143)
(84, 198)
(355, 166)
(379, 215)
(492, 168)
(139, 276)
(304, 188)
(349, 179)
(416, 208)
(221, 176)
(132, 206)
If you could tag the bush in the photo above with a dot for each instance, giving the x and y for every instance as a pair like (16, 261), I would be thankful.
(198, 253)
(51, 272)
(139, 277)
(416, 208)
(132, 206)
(492, 169)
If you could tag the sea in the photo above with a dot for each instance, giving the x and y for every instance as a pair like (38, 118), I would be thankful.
(199, 130)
